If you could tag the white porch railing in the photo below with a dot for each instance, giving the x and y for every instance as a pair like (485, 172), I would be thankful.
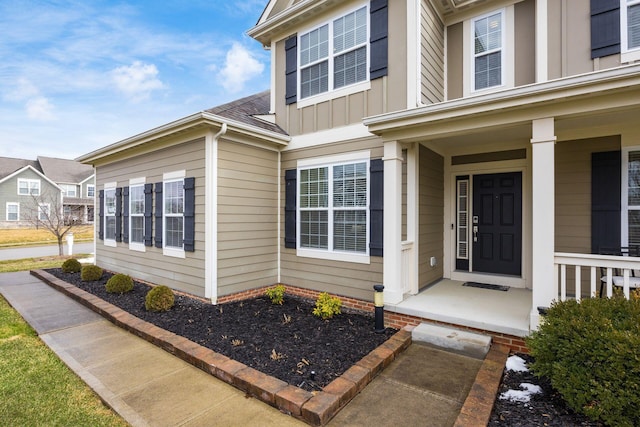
(594, 264)
(407, 267)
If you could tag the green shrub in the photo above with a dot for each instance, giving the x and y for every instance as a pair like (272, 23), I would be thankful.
(276, 294)
(160, 298)
(119, 284)
(327, 306)
(71, 265)
(591, 353)
(90, 273)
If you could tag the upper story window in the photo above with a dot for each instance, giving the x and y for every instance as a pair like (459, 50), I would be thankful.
(70, 190)
(630, 20)
(488, 51)
(334, 55)
(28, 187)
(91, 190)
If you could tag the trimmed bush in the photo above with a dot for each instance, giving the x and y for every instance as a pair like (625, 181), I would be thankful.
(276, 294)
(160, 298)
(119, 284)
(90, 273)
(71, 265)
(327, 306)
(591, 353)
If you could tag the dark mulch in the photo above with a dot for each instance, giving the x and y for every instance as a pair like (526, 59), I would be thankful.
(285, 341)
(545, 409)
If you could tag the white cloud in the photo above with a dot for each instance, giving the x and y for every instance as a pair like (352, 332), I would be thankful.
(137, 80)
(39, 108)
(240, 66)
(22, 90)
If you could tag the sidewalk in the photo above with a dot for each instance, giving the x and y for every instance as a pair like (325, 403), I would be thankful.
(149, 387)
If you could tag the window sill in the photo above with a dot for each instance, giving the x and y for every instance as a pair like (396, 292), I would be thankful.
(630, 56)
(110, 243)
(334, 256)
(139, 247)
(174, 252)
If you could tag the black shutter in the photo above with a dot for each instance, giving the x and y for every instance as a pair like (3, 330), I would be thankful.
(118, 214)
(189, 214)
(158, 237)
(606, 172)
(148, 213)
(291, 69)
(290, 177)
(101, 215)
(605, 28)
(125, 214)
(379, 44)
(376, 207)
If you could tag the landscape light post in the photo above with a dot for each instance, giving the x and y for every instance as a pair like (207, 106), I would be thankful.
(378, 302)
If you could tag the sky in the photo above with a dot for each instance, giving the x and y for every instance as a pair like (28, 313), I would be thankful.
(76, 76)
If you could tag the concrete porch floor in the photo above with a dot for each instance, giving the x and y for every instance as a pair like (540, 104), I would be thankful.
(491, 310)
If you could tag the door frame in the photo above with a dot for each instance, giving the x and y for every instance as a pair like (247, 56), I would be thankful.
(452, 172)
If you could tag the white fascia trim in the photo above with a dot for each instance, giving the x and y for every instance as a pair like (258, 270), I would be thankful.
(614, 78)
(328, 136)
(19, 171)
(262, 29)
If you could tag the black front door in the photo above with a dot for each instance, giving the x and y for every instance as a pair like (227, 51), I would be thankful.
(497, 223)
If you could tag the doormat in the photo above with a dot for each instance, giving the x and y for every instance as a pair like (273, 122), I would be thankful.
(486, 286)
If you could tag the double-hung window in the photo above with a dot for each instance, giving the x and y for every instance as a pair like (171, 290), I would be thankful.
(70, 190)
(488, 51)
(136, 215)
(29, 187)
(44, 211)
(91, 190)
(110, 215)
(630, 24)
(631, 198)
(13, 211)
(334, 55)
(334, 209)
(173, 213)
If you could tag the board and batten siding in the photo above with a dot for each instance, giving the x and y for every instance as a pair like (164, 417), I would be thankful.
(187, 275)
(247, 217)
(432, 54)
(431, 216)
(336, 277)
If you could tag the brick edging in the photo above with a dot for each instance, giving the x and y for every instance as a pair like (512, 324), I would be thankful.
(478, 405)
(313, 408)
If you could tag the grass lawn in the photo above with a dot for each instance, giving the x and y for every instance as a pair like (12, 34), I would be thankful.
(25, 236)
(35, 263)
(37, 388)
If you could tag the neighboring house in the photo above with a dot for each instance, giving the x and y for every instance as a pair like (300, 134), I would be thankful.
(46, 181)
(482, 141)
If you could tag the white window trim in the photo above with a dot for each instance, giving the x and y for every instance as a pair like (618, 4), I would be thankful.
(17, 205)
(329, 254)
(624, 195)
(47, 207)
(508, 52)
(64, 188)
(29, 182)
(136, 246)
(94, 190)
(171, 251)
(345, 90)
(626, 54)
(107, 187)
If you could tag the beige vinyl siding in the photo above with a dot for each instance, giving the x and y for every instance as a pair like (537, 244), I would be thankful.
(525, 46)
(455, 61)
(431, 216)
(187, 274)
(247, 217)
(386, 94)
(342, 278)
(432, 57)
(573, 191)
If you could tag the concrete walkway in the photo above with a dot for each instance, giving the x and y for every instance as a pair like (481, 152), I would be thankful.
(150, 387)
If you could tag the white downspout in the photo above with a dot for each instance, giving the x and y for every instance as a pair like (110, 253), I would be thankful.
(211, 214)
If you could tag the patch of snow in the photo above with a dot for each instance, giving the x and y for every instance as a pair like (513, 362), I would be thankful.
(517, 364)
(523, 395)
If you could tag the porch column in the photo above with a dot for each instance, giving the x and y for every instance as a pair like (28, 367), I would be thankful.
(392, 222)
(543, 216)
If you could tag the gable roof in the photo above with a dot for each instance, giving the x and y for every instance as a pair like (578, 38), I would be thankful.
(64, 170)
(9, 165)
(245, 109)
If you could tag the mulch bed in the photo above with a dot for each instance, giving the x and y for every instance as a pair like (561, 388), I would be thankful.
(285, 341)
(544, 409)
